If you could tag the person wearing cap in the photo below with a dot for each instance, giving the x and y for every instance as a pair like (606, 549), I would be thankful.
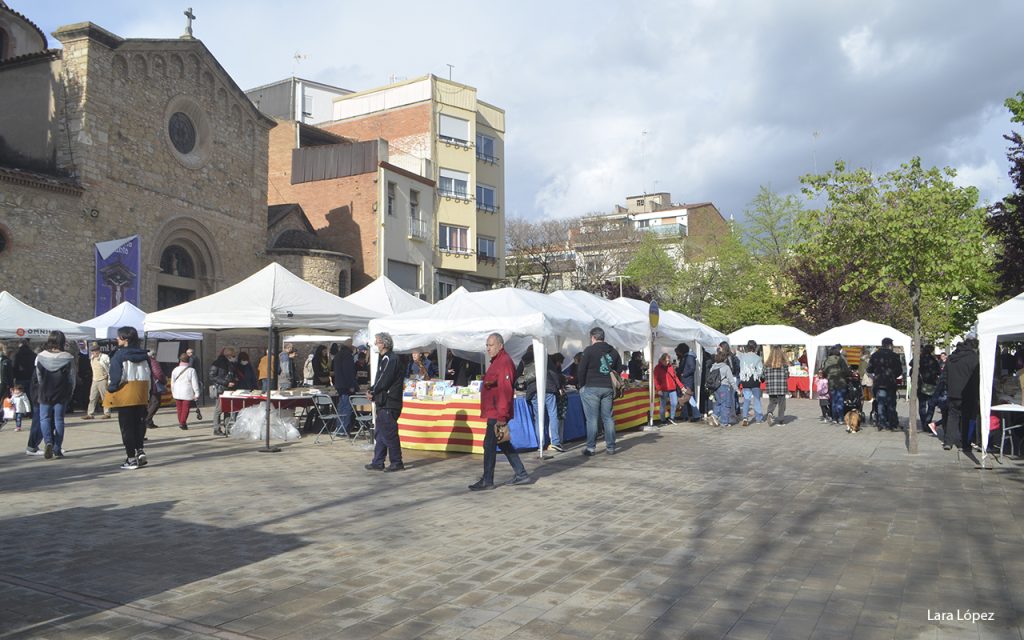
(885, 367)
(100, 364)
(751, 375)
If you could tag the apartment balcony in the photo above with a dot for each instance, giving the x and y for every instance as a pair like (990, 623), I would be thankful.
(454, 194)
(487, 208)
(489, 159)
(666, 230)
(418, 229)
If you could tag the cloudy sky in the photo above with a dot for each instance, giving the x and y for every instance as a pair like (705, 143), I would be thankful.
(706, 100)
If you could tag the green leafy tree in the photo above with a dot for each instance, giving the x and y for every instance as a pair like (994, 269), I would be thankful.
(911, 227)
(1006, 218)
(652, 268)
(770, 231)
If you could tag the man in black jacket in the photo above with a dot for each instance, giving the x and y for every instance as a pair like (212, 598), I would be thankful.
(386, 394)
(961, 375)
(345, 385)
(884, 367)
(927, 383)
(223, 377)
(593, 377)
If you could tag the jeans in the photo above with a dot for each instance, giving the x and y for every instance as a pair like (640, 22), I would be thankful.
(552, 424)
(886, 399)
(345, 418)
(838, 399)
(752, 393)
(672, 398)
(925, 411)
(725, 404)
(491, 445)
(597, 402)
(51, 418)
(387, 444)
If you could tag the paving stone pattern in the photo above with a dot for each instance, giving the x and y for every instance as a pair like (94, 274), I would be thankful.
(793, 531)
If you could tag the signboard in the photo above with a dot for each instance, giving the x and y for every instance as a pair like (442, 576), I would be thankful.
(654, 314)
(118, 273)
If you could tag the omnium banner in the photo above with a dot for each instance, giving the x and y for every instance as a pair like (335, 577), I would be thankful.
(118, 273)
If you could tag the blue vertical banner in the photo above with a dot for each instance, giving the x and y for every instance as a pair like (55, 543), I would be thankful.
(118, 273)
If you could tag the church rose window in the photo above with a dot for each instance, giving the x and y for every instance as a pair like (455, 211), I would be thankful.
(182, 132)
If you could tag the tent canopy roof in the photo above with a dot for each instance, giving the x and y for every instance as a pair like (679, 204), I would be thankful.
(127, 314)
(1005, 320)
(771, 334)
(20, 320)
(270, 298)
(386, 297)
(675, 327)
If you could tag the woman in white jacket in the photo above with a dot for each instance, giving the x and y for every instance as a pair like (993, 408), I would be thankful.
(184, 389)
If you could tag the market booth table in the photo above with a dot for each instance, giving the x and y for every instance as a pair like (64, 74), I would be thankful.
(455, 424)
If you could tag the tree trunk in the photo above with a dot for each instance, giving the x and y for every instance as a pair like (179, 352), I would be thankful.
(915, 374)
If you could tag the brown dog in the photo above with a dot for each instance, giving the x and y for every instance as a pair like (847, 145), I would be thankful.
(853, 419)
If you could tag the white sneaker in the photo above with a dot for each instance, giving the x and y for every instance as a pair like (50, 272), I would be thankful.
(30, 452)
(130, 463)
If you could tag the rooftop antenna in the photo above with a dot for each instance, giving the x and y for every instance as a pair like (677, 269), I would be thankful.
(643, 157)
(814, 149)
(298, 58)
(450, 67)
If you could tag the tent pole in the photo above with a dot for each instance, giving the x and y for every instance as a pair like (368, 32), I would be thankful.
(271, 387)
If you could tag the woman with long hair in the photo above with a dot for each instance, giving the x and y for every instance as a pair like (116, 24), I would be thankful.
(776, 382)
(55, 377)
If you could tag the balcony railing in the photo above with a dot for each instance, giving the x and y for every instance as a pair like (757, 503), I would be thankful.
(483, 157)
(418, 229)
(666, 229)
(454, 194)
(453, 141)
(488, 208)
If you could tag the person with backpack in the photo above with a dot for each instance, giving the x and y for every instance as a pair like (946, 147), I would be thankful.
(721, 383)
(885, 367)
(594, 378)
(55, 384)
(128, 392)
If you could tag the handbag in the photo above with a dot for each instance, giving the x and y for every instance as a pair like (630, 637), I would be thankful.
(132, 393)
(684, 395)
(501, 432)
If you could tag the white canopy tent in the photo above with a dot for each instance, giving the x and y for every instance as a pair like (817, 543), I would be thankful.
(463, 321)
(860, 333)
(385, 297)
(20, 320)
(624, 327)
(674, 327)
(127, 314)
(272, 299)
(1005, 322)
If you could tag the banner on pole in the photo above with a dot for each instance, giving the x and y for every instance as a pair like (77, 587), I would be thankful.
(118, 273)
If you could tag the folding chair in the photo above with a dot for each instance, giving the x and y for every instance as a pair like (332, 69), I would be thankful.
(364, 421)
(324, 410)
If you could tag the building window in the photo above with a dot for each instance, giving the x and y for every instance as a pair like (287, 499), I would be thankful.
(414, 204)
(453, 239)
(454, 184)
(444, 289)
(182, 133)
(455, 130)
(486, 199)
(485, 247)
(405, 275)
(175, 261)
(307, 106)
(485, 148)
(391, 198)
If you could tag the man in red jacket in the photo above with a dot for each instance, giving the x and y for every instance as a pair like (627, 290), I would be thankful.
(497, 402)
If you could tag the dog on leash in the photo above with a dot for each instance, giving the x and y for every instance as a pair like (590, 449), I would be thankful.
(853, 419)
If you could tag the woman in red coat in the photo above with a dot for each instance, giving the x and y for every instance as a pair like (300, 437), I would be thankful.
(668, 385)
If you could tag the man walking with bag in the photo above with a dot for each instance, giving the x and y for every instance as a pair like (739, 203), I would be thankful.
(598, 364)
(497, 404)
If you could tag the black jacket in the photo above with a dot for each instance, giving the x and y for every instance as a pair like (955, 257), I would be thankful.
(591, 373)
(55, 377)
(223, 372)
(24, 364)
(387, 388)
(961, 375)
(884, 367)
(345, 372)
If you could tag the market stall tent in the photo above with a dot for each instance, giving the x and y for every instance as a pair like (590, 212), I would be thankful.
(674, 327)
(860, 333)
(127, 314)
(771, 334)
(20, 320)
(1004, 322)
(385, 297)
(272, 299)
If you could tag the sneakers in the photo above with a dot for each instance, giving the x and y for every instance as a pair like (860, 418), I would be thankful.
(744, 422)
(589, 452)
(58, 454)
(130, 464)
(523, 479)
(107, 416)
(934, 429)
(140, 457)
(33, 452)
(769, 418)
(558, 448)
(87, 417)
(395, 467)
(480, 485)
(611, 451)
(48, 452)
(713, 420)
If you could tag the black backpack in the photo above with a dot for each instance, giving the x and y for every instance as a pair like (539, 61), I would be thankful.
(713, 381)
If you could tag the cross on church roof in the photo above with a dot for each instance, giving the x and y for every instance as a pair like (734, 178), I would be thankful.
(188, 28)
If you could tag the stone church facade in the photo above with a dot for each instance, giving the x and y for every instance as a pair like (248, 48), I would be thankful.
(110, 137)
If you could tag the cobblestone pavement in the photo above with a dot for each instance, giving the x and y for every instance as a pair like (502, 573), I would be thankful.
(793, 531)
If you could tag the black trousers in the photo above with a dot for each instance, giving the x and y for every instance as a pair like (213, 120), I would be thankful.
(958, 420)
(132, 421)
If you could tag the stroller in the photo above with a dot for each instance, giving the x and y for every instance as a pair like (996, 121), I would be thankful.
(854, 398)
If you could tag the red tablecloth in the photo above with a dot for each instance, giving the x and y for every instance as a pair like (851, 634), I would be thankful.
(799, 383)
(233, 404)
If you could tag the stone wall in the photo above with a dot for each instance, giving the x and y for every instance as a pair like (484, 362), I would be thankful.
(330, 271)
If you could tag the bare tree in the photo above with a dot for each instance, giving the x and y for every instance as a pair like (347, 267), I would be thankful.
(537, 253)
(604, 247)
